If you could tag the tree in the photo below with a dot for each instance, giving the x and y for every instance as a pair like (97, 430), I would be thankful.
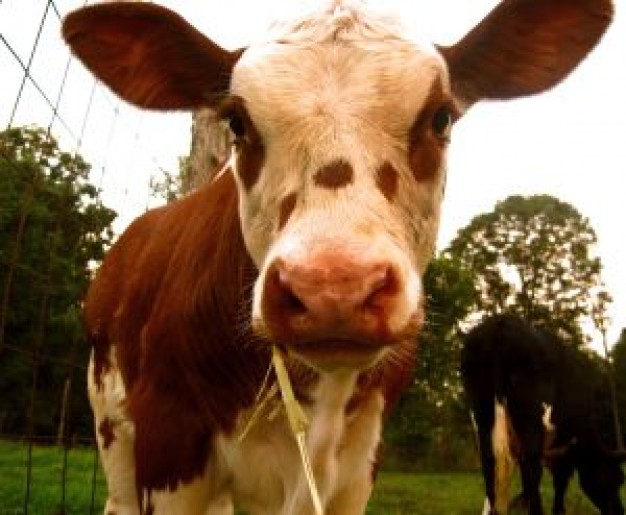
(210, 145)
(169, 186)
(53, 230)
(450, 296)
(618, 356)
(533, 256)
(431, 416)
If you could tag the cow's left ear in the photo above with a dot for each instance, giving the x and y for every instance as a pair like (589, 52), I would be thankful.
(149, 55)
(524, 47)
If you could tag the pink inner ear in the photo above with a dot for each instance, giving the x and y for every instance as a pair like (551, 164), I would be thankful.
(149, 55)
(525, 47)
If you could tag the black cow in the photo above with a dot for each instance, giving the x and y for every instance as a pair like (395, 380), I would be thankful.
(533, 400)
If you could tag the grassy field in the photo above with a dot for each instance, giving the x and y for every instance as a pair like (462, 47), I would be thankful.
(46, 491)
(395, 493)
(452, 494)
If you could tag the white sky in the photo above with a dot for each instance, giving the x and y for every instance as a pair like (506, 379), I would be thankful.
(570, 142)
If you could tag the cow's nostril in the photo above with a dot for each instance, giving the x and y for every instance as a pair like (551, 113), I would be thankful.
(284, 298)
(291, 302)
(380, 290)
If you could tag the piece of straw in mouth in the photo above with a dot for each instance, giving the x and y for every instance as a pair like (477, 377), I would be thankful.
(265, 395)
(298, 423)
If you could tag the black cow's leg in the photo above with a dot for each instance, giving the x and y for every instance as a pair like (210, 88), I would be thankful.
(531, 469)
(562, 470)
(487, 460)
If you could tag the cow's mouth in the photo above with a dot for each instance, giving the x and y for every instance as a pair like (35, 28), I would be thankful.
(335, 354)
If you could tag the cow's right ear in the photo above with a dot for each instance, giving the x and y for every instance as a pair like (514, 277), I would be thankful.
(149, 55)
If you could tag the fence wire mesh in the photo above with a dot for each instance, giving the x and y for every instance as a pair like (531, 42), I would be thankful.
(42, 85)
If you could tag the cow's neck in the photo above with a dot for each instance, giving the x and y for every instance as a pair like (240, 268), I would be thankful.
(328, 417)
(342, 440)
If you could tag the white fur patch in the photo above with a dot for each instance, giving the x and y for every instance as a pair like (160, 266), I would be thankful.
(263, 473)
(265, 469)
(503, 460)
(546, 418)
(486, 507)
(117, 454)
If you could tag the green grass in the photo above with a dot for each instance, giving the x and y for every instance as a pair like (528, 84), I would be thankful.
(404, 494)
(454, 494)
(46, 492)
(395, 493)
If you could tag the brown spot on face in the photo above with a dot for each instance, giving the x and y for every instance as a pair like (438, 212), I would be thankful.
(335, 175)
(424, 159)
(106, 432)
(387, 180)
(287, 206)
(250, 159)
(426, 145)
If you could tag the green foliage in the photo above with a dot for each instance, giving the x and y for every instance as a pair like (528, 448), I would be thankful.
(431, 428)
(450, 296)
(618, 355)
(53, 229)
(533, 256)
(166, 188)
(171, 186)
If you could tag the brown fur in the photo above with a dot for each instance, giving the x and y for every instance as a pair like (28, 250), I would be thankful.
(106, 432)
(387, 180)
(334, 175)
(563, 31)
(287, 206)
(136, 65)
(426, 148)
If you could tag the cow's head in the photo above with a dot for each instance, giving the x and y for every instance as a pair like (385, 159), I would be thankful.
(341, 128)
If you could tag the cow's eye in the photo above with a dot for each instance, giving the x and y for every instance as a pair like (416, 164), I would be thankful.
(232, 113)
(442, 122)
(237, 125)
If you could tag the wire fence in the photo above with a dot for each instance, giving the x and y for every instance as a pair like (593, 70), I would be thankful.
(42, 85)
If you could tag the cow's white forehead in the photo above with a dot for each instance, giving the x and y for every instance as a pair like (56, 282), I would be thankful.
(345, 54)
(347, 20)
(305, 99)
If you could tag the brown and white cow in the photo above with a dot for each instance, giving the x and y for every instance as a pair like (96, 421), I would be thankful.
(314, 239)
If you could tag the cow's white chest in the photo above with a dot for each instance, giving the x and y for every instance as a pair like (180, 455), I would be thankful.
(266, 471)
(261, 473)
